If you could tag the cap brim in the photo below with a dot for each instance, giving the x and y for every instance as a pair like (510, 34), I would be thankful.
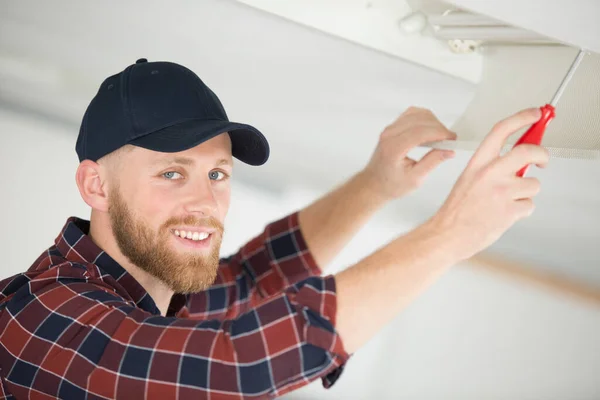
(248, 144)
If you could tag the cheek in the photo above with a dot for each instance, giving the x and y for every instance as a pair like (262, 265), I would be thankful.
(152, 203)
(223, 198)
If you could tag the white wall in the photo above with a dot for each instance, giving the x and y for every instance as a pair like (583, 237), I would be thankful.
(471, 336)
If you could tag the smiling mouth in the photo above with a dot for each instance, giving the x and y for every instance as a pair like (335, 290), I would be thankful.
(194, 236)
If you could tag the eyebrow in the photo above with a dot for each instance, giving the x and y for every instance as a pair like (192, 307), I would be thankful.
(187, 161)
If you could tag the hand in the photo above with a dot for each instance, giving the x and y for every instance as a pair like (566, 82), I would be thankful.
(390, 172)
(489, 198)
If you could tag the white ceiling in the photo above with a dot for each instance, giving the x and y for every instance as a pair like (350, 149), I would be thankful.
(320, 100)
(377, 24)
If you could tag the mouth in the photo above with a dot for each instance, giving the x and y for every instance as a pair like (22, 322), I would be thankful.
(193, 239)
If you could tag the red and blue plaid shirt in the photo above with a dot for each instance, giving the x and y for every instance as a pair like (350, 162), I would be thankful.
(76, 325)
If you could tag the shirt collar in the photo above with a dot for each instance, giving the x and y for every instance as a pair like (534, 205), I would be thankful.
(75, 245)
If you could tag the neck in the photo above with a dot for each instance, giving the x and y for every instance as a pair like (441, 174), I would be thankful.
(101, 235)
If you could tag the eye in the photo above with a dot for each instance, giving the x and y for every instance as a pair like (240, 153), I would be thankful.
(169, 175)
(214, 175)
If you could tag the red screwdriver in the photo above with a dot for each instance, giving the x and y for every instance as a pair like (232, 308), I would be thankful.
(535, 133)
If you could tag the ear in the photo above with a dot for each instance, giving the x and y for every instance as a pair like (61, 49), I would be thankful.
(92, 185)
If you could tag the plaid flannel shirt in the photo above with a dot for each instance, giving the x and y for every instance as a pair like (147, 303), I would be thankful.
(77, 325)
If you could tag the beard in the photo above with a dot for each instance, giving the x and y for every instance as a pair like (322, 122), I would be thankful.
(182, 272)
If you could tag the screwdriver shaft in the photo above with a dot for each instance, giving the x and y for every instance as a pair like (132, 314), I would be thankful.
(567, 78)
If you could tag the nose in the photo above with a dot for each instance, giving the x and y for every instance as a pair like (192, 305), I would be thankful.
(201, 200)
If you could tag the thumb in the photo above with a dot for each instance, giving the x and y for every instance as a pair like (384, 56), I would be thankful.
(430, 161)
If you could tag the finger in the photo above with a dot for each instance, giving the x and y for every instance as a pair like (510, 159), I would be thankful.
(408, 163)
(421, 135)
(430, 161)
(414, 117)
(427, 134)
(523, 208)
(492, 144)
(525, 154)
(410, 113)
(413, 120)
(403, 144)
(525, 188)
(416, 110)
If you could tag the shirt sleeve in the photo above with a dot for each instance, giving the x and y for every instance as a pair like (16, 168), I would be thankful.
(265, 266)
(69, 336)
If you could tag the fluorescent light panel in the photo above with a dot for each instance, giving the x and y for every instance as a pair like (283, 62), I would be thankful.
(463, 19)
(490, 34)
(462, 25)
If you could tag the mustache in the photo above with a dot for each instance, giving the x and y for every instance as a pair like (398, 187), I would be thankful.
(191, 220)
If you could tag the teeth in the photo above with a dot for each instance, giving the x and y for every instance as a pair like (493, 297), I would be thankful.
(192, 236)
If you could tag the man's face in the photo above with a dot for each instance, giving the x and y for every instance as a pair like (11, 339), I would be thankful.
(164, 206)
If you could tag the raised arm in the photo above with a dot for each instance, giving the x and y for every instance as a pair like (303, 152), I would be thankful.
(486, 201)
(332, 221)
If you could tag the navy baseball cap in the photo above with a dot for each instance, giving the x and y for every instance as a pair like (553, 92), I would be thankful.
(161, 106)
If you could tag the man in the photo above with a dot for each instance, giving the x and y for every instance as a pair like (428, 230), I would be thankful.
(135, 303)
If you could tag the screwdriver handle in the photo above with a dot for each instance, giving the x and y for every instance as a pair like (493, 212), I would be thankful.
(535, 133)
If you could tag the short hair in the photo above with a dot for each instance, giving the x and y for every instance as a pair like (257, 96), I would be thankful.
(113, 161)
